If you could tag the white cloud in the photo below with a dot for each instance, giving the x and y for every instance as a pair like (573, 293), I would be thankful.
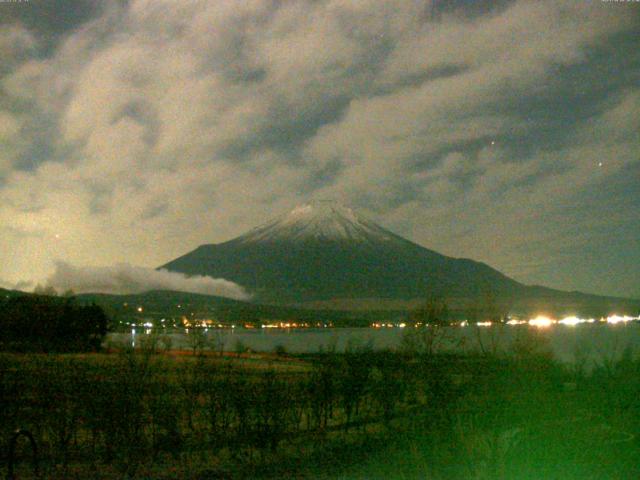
(171, 124)
(125, 279)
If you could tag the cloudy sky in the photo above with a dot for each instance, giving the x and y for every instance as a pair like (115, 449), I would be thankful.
(505, 131)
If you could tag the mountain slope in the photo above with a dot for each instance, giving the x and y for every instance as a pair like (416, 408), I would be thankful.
(322, 251)
(324, 255)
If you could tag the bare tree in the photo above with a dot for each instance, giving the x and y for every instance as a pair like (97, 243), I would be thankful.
(487, 308)
(426, 331)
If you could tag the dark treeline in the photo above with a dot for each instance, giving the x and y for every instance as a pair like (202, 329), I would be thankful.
(43, 323)
(140, 414)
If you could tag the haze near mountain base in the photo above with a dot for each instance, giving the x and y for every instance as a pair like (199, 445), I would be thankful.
(129, 279)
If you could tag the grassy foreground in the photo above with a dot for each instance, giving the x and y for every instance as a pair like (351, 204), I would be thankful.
(361, 414)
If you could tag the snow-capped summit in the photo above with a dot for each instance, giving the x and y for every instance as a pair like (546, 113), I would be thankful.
(322, 250)
(319, 220)
(325, 252)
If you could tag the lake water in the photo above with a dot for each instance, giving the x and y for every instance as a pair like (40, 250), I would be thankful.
(590, 343)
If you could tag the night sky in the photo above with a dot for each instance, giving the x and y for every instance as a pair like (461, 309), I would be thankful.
(507, 132)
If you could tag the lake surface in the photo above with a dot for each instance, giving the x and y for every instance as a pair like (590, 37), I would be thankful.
(596, 342)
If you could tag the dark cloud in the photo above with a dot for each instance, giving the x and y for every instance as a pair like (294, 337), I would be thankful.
(468, 8)
(50, 20)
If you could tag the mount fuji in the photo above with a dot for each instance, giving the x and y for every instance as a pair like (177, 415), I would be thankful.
(324, 254)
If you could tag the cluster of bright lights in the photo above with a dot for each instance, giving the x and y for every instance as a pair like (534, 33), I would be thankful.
(286, 325)
(613, 319)
(513, 321)
(389, 325)
(541, 322)
(573, 321)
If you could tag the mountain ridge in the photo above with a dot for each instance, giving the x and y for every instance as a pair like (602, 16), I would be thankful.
(323, 252)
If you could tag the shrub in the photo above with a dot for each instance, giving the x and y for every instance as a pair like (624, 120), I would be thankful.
(50, 324)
